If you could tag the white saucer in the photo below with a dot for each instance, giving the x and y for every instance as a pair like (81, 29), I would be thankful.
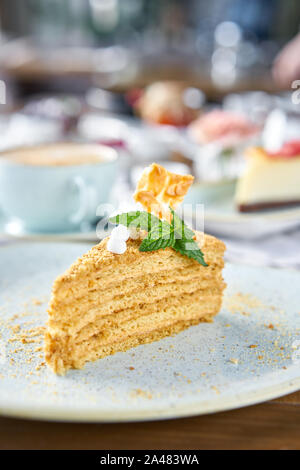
(10, 229)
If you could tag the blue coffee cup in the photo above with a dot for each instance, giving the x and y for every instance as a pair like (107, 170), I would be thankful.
(56, 187)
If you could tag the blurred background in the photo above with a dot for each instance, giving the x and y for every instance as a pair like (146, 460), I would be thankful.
(139, 74)
(69, 45)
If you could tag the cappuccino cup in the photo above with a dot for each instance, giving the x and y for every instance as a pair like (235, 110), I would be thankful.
(55, 187)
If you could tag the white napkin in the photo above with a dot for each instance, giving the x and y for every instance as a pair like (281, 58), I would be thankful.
(282, 251)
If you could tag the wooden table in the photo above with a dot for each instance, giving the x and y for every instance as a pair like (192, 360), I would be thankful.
(271, 425)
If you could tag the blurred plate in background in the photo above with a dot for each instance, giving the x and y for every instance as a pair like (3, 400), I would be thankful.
(222, 218)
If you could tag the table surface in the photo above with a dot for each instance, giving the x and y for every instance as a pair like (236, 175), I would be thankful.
(271, 425)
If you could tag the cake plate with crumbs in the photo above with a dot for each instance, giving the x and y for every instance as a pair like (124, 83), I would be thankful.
(249, 354)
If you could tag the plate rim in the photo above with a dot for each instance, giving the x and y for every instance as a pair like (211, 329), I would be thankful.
(185, 411)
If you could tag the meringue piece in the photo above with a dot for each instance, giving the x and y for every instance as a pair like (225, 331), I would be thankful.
(121, 232)
(116, 245)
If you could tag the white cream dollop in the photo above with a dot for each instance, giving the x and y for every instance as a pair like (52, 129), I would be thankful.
(116, 246)
(117, 240)
(120, 232)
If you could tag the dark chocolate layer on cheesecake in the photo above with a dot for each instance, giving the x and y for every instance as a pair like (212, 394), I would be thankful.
(261, 206)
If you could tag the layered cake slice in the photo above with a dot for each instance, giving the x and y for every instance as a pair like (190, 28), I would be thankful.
(271, 180)
(116, 297)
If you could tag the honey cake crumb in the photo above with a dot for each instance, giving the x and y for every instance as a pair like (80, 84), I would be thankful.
(234, 360)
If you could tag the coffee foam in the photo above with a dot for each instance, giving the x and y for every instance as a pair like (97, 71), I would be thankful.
(64, 154)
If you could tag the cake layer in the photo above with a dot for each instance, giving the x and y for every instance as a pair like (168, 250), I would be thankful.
(110, 267)
(63, 355)
(59, 366)
(94, 282)
(99, 304)
(153, 320)
(97, 324)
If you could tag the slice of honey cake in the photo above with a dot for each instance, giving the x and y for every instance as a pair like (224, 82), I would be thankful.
(114, 297)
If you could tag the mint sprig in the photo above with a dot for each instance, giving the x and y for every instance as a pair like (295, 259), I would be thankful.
(190, 249)
(136, 219)
(181, 231)
(161, 234)
(149, 244)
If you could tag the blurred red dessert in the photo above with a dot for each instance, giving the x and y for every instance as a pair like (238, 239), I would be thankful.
(288, 150)
(225, 127)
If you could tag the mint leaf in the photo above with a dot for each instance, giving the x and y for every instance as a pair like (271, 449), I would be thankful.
(149, 244)
(137, 219)
(161, 234)
(180, 229)
(161, 230)
(190, 249)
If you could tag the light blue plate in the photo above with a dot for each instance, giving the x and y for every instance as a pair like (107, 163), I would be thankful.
(250, 353)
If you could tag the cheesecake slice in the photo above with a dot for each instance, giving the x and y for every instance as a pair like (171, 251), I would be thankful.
(118, 296)
(271, 180)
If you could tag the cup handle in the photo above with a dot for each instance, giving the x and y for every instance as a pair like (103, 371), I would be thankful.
(87, 200)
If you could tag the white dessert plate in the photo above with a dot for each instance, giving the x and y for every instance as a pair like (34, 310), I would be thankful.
(222, 218)
(251, 353)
